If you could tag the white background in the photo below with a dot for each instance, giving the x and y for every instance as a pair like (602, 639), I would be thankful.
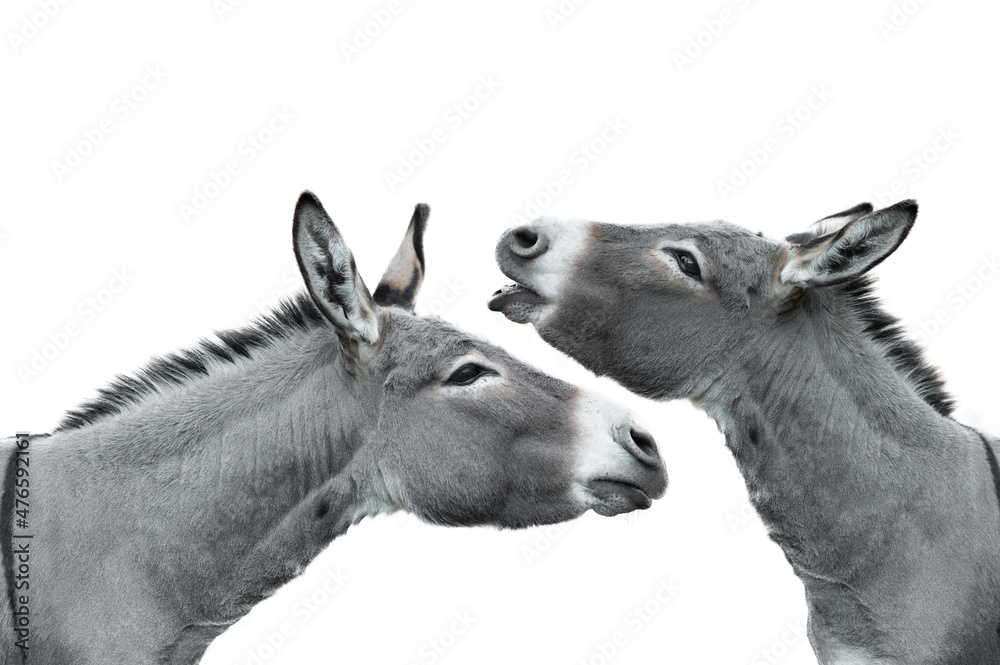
(538, 596)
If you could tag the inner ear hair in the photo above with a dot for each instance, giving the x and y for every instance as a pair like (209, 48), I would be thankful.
(330, 274)
(853, 250)
(829, 225)
(401, 281)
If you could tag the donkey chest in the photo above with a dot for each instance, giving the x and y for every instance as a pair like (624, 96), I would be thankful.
(831, 651)
(939, 622)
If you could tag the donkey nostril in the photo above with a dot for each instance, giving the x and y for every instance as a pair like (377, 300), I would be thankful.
(644, 442)
(525, 237)
(527, 243)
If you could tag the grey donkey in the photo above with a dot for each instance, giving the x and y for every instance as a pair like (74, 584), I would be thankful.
(162, 511)
(886, 507)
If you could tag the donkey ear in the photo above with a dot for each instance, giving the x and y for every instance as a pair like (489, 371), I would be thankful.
(402, 278)
(330, 274)
(856, 247)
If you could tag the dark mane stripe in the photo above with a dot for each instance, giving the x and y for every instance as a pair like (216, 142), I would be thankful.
(296, 314)
(904, 355)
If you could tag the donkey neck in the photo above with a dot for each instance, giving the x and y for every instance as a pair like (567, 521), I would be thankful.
(817, 417)
(279, 423)
(819, 373)
(226, 461)
(869, 490)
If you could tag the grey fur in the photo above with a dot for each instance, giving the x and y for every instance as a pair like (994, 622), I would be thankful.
(884, 506)
(163, 511)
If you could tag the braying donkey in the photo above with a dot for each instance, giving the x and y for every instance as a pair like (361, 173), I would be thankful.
(163, 510)
(886, 507)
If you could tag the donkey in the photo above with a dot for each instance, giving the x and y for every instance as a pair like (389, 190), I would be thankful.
(163, 510)
(886, 507)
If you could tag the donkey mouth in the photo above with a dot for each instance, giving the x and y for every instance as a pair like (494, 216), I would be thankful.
(515, 301)
(614, 497)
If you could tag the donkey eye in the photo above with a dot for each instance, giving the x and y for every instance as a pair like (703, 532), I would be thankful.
(687, 263)
(467, 374)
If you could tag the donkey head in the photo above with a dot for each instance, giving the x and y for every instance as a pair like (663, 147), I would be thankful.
(455, 430)
(665, 309)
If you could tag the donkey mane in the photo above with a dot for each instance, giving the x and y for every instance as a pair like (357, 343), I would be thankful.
(294, 314)
(903, 354)
(884, 329)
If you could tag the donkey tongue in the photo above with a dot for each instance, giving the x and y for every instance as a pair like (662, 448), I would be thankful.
(514, 301)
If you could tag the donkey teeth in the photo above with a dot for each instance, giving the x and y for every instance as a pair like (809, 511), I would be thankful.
(507, 288)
